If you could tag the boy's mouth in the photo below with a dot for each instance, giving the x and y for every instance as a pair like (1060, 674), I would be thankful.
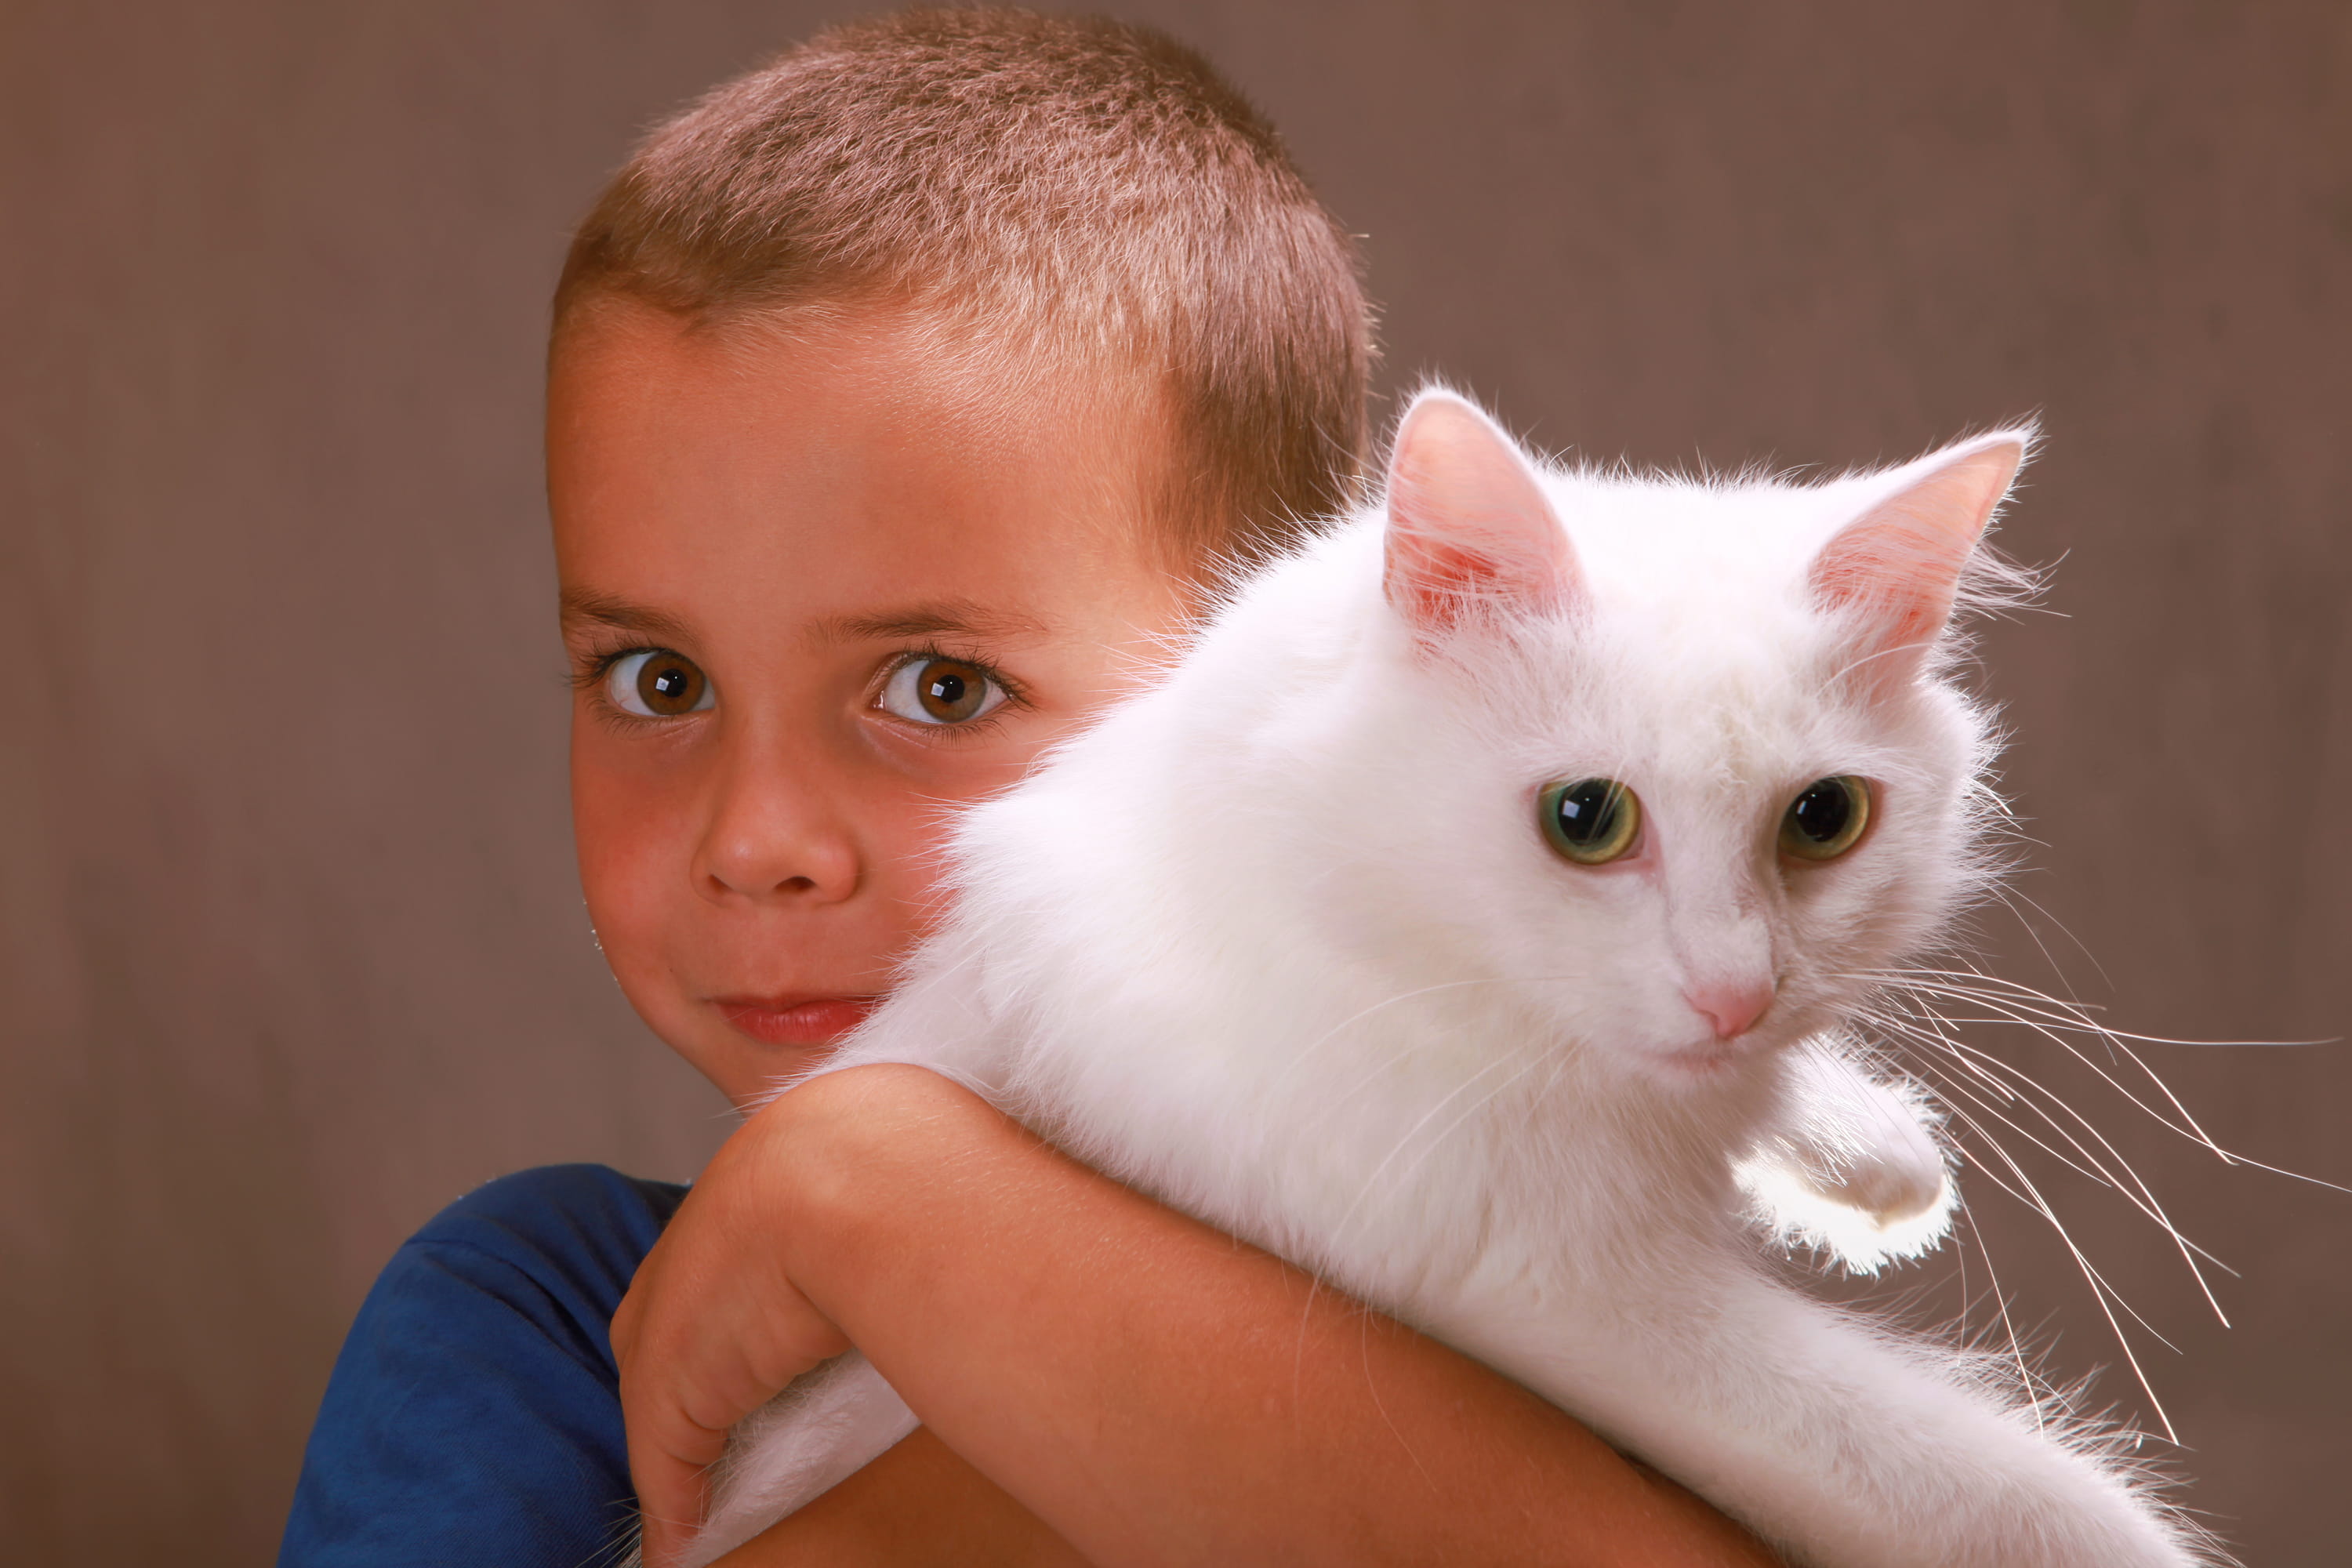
(797, 1020)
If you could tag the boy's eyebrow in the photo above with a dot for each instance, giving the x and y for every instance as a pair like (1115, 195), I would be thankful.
(961, 616)
(965, 617)
(582, 604)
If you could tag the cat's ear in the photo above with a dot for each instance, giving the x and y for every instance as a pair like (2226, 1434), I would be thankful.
(1895, 572)
(1468, 523)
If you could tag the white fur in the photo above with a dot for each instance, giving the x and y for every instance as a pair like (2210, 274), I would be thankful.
(1279, 943)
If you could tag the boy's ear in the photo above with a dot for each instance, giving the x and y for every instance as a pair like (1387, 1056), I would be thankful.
(1893, 573)
(1468, 526)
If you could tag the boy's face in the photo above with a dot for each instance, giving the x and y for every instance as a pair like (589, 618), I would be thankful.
(814, 594)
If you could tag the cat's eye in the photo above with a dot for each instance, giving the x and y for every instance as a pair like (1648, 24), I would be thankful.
(927, 689)
(1591, 821)
(1827, 819)
(658, 684)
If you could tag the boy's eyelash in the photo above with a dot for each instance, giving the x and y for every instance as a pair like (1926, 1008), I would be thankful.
(591, 665)
(1016, 694)
(590, 676)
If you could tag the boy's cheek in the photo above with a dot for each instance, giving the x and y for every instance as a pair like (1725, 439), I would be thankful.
(635, 882)
(634, 838)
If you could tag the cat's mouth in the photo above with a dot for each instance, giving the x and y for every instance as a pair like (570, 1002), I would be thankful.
(1711, 1058)
(1706, 1060)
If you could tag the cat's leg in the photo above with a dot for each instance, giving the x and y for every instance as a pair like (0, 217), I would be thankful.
(1853, 1164)
(1844, 1446)
(830, 1424)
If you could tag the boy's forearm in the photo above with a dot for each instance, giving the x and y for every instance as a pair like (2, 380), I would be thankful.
(918, 1506)
(1160, 1393)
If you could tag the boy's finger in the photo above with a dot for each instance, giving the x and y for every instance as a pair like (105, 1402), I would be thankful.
(622, 1330)
(670, 1494)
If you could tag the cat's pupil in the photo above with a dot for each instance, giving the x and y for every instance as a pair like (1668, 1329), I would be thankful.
(1822, 812)
(1828, 818)
(1587, 811)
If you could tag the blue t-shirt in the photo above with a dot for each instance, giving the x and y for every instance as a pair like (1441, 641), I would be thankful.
(474, 1417)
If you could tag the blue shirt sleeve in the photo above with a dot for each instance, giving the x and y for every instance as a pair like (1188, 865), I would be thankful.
(474, 1417)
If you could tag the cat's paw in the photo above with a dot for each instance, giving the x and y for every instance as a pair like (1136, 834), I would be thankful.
(1855, 1170)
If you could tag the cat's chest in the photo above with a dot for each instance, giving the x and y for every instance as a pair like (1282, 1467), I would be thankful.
(1408, 1208)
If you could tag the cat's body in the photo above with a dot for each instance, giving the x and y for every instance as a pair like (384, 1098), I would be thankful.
(1282, 942)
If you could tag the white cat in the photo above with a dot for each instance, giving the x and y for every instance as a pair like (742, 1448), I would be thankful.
(1469, 918)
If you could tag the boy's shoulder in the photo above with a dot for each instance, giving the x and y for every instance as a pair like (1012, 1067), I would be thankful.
(546, 1253)
(592, 1218)
(474, 1417)
(557, 1244)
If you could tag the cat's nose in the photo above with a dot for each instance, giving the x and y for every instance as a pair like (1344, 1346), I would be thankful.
(1733, 1007)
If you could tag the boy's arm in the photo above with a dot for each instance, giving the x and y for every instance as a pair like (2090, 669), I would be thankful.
(1154, 1391)
(917, 1506)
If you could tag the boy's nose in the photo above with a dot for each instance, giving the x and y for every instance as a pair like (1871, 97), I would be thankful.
(762, 847)
(749, 872)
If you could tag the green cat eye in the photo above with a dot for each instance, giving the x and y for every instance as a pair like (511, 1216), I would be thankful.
(1826, 819)
(1589, 821)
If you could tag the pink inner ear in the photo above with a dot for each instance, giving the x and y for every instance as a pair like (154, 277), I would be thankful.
(1901, 575)
(1897, 568)
(1435, 583)
(1468, 525)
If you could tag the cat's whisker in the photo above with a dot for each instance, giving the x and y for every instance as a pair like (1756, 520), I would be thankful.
(1396, 1057)
(2054, 1019)
(2072, 1015)
(1960, 1096)
(1994, 1070)
(1438, 1141)
(2011, 896)
(2025, 1377)
(2121, 1176)
(1406, 1048)
(2001, 1092)
(2144, 1198)
(2115, 1039)
(2008, 1096)
(1837, 677)
(1336, 1030)
(2104, 1177)
(2104, 1294)
(2091, 1275)
(1373, 1180)
(2058, 1010)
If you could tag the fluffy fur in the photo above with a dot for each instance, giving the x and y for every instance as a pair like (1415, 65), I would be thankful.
(1280, 941)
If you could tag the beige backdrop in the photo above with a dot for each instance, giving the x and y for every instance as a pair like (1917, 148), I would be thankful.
(292, 953)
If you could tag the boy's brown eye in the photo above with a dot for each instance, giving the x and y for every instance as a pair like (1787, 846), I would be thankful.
(658, 684)
(941, 691)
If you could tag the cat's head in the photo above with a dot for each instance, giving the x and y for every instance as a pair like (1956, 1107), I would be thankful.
(1674, 759)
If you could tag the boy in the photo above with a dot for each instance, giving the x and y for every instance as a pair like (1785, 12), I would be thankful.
(905, 398)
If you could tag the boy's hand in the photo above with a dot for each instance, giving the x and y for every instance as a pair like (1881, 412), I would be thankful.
(711, 1329)
(1048, 1326)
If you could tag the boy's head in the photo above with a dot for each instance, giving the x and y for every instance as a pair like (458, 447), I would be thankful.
(901, 395)
(1064, 200)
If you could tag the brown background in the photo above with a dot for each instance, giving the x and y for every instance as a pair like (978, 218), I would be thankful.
(290, 952)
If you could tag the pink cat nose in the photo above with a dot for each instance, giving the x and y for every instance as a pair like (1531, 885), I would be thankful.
(1733, 1009)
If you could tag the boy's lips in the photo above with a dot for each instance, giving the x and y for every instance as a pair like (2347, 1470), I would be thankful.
(797, 1020)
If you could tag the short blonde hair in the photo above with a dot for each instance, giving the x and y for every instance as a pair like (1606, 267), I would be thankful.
(1061, 182)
